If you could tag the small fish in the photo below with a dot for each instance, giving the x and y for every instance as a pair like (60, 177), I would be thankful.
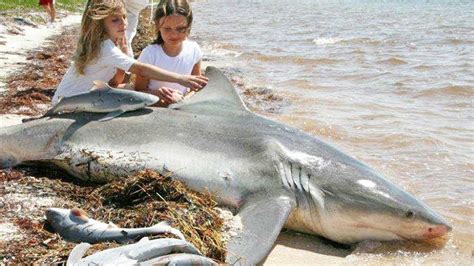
(74, 226)
(102, 98)
(143, 252)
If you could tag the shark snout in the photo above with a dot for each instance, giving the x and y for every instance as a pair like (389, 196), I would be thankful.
(55, 215)
(436, 231)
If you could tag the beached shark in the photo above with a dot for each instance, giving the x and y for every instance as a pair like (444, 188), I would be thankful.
(272, 175)
(75, 226)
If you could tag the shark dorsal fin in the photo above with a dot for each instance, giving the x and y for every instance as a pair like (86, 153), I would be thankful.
(218, 95)
(100, 85)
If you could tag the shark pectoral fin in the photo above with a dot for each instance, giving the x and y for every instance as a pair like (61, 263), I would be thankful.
(111, 115)
(262, 220)
(77, 253)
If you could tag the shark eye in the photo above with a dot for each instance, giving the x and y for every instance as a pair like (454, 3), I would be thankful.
(409, 214)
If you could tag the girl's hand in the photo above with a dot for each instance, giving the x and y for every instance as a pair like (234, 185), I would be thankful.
(195, 83)
(167, 95)
(122, 44)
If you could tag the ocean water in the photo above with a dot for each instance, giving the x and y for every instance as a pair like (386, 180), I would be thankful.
(389, 82)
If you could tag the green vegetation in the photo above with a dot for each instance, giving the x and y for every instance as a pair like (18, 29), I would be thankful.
(71, 5)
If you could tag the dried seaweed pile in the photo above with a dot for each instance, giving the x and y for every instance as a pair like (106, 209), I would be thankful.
(160, 198)
(145, 32)
(32, 88)
(137, 201)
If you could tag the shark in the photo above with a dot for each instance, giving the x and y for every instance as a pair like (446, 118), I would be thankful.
(76, 226)
(272, 175)
(102, 98)
(144, 252)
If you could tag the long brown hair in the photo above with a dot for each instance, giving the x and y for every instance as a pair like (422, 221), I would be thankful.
(172, 7)
(93, 31)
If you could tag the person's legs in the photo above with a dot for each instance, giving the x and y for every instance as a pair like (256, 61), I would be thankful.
(48, 6)
(53, 11)
(48, 10)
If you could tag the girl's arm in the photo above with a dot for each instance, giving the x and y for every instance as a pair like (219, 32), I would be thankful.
(197, 69)
(152, 72)
(141, 83)
(118, 78)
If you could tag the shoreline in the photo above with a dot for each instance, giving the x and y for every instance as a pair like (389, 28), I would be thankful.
(15, 47)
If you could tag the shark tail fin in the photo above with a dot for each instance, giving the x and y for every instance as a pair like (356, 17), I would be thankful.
(165, 227)
(77, 253)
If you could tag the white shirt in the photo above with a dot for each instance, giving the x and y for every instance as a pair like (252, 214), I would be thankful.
(133, 8)
(103, 68)
(183, 63)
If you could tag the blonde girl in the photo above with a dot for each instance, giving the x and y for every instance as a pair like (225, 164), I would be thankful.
(102, 53)
(171, 51)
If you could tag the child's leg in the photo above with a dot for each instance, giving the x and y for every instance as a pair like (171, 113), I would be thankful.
(48, 10)
(53, 11)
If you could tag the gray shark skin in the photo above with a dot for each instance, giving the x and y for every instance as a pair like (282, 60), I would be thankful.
(143, 252)
(271, 174)
(180, 259)
(74, 226)
(104, 99)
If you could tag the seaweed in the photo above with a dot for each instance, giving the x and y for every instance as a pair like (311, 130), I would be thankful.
(140, 200)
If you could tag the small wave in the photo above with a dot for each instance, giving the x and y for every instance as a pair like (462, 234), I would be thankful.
(362, 40)
(424, 67)
(224, 52)
(292, 59)
(452, 90)
(393, 61)
(326, 41)
(222, 49)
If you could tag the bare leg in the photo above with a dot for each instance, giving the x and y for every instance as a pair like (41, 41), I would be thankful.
(53, 12)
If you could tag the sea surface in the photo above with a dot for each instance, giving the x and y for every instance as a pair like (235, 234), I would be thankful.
(389, 82)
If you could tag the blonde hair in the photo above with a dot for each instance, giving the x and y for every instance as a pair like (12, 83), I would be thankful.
(93, 31)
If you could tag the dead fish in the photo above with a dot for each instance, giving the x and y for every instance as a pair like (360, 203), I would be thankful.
(143, 251)
(74, 226)
(179, 259)
(102, 98)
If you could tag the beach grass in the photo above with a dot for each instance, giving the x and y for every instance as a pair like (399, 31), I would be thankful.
(71, 5)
